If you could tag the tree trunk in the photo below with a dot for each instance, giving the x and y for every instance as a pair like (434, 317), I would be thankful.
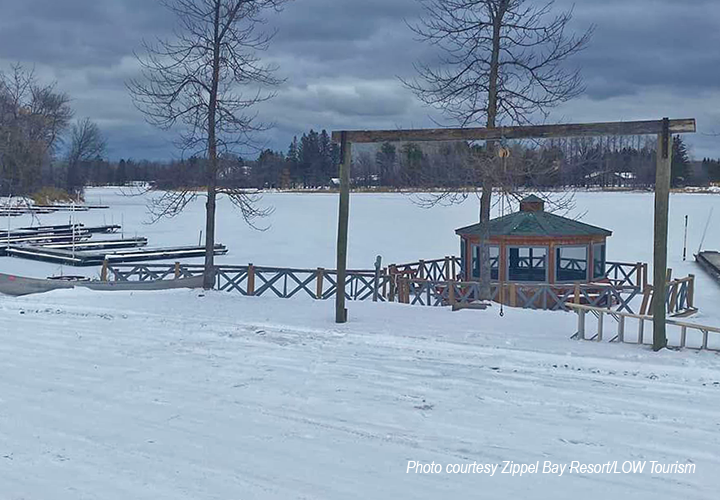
(209, 274)
(485, 271)
(486, 198)
(212, 167)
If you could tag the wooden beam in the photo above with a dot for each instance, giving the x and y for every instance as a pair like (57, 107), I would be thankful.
(650, 127)
(662, 207)
(342, 236)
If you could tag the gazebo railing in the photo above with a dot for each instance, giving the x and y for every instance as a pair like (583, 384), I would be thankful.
(526, 296)
(627, 274)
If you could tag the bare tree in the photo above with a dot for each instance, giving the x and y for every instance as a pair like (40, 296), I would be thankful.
(205, 81)
(86, 144)
(32, 119)
(501, 64)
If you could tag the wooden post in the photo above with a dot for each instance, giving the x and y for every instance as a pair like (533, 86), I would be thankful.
(385, 282)
(342, 237)
(621, 329)
(453, 264)
(451, 292)
(320, 280)
(601, 323)
(177, 270)
(447, 268)
(393, 283)
(576, 298)
(639, 275)
(647, 293)
(104, 272)
(421, 270)
(672, 307)
(251, 280)
(376, 284)
(691, 292)
(513, 294)
(581, 324)
(683, 336)
(662, 207)
(404, 291)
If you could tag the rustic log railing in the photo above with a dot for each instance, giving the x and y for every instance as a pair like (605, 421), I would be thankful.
(433, 270)
(526, 296)
(680, 299)
(423, 283)
(625, 274)
(702, 338)
(254, 280)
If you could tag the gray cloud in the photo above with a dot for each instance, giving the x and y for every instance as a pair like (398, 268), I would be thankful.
(341, 60)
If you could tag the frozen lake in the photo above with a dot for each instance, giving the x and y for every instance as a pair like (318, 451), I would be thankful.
(302, 230)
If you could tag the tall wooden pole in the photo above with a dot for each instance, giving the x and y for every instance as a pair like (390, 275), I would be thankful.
(342, 239)
(662, 207)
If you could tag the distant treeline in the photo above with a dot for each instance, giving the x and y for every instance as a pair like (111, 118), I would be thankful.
(311, 162)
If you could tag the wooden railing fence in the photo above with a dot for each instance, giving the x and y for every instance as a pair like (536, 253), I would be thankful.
(536, 296)
(680, 300)
(254, 280)
(684, 338)
(444, 269)
(426, 283)
(625, 274)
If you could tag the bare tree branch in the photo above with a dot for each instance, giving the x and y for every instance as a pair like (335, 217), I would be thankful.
(205, 82)
(501, 63)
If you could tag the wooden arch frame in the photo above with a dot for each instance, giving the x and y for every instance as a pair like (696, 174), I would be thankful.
(662, 128)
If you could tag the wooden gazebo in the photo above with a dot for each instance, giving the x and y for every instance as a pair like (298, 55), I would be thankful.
(535, 246)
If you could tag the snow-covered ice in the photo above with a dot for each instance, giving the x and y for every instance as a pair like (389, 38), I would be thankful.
(206, 395)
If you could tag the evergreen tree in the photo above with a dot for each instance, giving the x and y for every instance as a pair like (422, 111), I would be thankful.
(311, 159)
(330, 158)
(121, 174)
(269, 169)
(711, 170)
(413, 160)
(680, 168)
(292, 160)
(386, 159)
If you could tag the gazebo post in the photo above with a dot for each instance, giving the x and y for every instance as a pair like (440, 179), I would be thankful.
(662, 208)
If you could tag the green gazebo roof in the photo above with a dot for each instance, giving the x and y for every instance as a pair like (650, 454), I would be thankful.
(536, 223)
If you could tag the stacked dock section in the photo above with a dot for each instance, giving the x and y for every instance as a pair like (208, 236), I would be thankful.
(74, 245)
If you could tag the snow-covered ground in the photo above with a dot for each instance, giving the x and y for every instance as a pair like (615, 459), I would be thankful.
(194, 395)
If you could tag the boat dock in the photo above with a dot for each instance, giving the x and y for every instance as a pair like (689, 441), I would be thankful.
(74, 245)
(89, 258)
(710, 262)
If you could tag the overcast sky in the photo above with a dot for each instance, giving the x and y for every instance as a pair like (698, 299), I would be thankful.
(342, 58)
